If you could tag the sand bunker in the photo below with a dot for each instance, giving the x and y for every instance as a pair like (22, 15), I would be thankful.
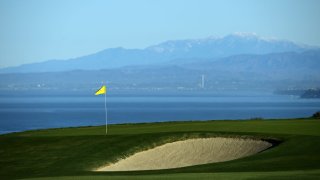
(189, 152)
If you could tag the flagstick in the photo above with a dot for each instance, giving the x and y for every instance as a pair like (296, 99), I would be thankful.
(105, 108)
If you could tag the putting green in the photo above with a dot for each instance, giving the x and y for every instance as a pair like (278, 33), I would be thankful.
(74, 152)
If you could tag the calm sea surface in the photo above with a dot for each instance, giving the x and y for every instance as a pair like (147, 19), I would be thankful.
(24, 112)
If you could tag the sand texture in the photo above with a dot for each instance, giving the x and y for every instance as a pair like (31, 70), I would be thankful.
(189, 152)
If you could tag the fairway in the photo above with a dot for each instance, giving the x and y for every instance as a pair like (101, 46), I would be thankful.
(70, 153)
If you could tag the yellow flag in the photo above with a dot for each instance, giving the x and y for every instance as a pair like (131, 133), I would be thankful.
(102, 90)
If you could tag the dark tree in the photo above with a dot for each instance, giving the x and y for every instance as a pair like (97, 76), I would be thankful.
(316, 115)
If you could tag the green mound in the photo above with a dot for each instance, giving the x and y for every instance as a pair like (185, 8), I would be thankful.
(73, 152)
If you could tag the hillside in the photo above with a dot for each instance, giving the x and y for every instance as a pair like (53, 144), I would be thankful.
(269, 71)
(230, 45)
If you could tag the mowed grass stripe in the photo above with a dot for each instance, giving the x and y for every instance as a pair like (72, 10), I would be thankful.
(283, 175)
(289, 126)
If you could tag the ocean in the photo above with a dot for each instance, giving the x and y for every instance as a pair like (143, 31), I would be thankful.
(26, 112)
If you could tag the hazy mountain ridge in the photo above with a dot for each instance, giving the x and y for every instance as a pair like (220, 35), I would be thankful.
(238, 43)
(268, 71)
(287, 62)
(237, 61)
(230, 45)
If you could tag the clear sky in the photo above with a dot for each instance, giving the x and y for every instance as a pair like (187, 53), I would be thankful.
(38, 30)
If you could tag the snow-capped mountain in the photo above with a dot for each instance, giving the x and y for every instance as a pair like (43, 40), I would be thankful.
(237, 43)
(211, 47)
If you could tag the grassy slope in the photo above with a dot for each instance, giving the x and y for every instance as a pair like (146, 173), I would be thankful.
(283, 175)
(76, 151)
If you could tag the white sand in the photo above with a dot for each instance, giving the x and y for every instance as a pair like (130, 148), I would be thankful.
(189, 152)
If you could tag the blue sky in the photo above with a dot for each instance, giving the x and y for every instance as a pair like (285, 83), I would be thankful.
(38, 30)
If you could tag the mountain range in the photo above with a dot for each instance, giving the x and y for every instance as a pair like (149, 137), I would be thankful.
(237, 61)
(234, 44)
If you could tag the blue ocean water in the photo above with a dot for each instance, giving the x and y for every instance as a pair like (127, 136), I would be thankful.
(25, 112)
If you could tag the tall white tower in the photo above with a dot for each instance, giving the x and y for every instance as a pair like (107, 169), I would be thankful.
(202, 81)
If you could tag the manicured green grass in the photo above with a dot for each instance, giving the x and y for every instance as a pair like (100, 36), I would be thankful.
(74, 152)
(283, 175)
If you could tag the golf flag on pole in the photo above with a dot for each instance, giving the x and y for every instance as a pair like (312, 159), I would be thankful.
(102, 90)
